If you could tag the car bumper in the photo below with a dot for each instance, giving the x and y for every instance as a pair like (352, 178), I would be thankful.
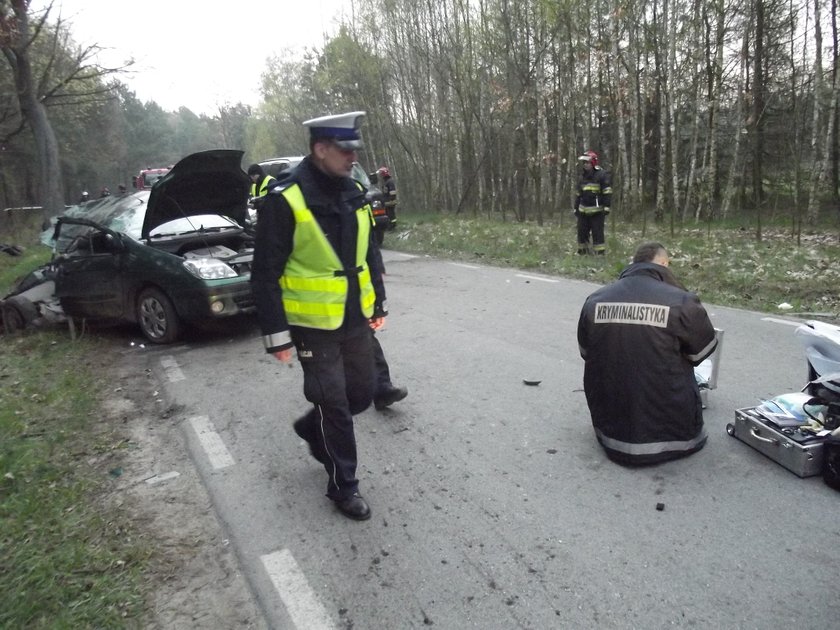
(217, 299)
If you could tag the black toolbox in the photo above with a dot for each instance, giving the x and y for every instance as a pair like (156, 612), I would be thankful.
(801, 452)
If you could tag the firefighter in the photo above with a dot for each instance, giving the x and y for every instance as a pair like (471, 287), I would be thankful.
(318, 288)
(389, 193)
(640, 338)
(592, 205)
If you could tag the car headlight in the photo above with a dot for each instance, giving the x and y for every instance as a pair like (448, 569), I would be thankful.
(209, 268)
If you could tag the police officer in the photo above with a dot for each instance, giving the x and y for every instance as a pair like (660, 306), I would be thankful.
(318, 287)
(592, 204)
(641, 337)
(385, 393)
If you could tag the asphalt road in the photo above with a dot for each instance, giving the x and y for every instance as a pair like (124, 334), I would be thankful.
(493, 505)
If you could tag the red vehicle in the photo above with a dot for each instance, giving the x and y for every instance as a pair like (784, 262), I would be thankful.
(148, 176)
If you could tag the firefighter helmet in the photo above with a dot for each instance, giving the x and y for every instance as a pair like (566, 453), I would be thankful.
(589, 156)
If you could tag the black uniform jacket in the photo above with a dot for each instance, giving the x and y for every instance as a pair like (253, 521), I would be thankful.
(333, 202)
(601, 197)
(641, 337)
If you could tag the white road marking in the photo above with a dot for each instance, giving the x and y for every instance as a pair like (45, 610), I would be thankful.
(527, 277)
(161, 478)
(400, 254)
(298, 597)
(780, 321)
(172, 369)
(465, 266)
(211, 442)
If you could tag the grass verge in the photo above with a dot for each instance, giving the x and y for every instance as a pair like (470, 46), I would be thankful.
(65, 561)
(725, 266)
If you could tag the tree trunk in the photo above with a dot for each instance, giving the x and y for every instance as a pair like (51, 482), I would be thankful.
(15, 46)
(817, 164)
(662, 113)
(758, 115)
(740, 127)
(622, 172)
(673, 139)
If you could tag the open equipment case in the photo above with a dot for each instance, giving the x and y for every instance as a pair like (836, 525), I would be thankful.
(794, 429)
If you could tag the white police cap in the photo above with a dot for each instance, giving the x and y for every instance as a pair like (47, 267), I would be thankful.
(343, 129)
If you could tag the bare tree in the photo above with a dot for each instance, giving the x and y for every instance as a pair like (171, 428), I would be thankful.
(15, 41)
(817, 132)
(65, 77)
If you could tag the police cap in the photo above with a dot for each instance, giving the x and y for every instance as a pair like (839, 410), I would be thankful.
(342, 129)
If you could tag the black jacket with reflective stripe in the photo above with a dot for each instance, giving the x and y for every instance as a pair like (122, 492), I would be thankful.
(641, 337)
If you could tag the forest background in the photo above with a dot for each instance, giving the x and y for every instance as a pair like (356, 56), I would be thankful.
(704, 110)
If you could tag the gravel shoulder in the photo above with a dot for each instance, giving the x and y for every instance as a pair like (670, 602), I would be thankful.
(194, 580)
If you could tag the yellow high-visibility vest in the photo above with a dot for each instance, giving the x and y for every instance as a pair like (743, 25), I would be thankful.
(315, 281)
(263, 186)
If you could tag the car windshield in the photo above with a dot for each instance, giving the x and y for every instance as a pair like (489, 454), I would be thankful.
(149, 179)
(359, 175)
(118, 213)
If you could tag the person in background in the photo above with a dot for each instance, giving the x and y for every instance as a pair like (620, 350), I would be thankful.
(318, 288)
(259, 181)
(389, 193)
(592, 204)
(85, 196)
(121, 189)
(640, 338)
(106, 192)
(385, 393)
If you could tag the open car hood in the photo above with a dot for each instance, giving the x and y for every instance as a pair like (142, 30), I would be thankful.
(208, 182)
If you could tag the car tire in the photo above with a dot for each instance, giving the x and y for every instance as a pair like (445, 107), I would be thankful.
(17, 313)
(157, 316)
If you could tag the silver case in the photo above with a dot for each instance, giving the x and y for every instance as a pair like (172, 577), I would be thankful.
(805, 460)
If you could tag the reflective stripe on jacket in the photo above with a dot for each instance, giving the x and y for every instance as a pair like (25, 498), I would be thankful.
(594, 192)
(641, 337)
(314, 281)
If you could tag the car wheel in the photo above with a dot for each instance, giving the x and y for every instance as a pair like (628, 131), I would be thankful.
(17, 313)
(157, 317)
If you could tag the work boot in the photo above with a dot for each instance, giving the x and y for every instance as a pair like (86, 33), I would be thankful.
(306, 433)
(387, 396)
(354, 507)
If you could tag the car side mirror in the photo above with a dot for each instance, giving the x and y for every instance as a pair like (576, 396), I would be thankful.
(107, 243)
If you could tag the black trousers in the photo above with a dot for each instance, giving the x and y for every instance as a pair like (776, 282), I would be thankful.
(593, 223)
(382, 374)
(338, 381)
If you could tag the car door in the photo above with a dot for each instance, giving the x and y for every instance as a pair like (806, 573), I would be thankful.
(89, 280)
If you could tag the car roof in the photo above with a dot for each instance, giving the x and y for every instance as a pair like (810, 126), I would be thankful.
(276, 165)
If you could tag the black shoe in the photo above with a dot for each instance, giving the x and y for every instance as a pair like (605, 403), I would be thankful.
(315, 449)
(388, 396)
(354, 507)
